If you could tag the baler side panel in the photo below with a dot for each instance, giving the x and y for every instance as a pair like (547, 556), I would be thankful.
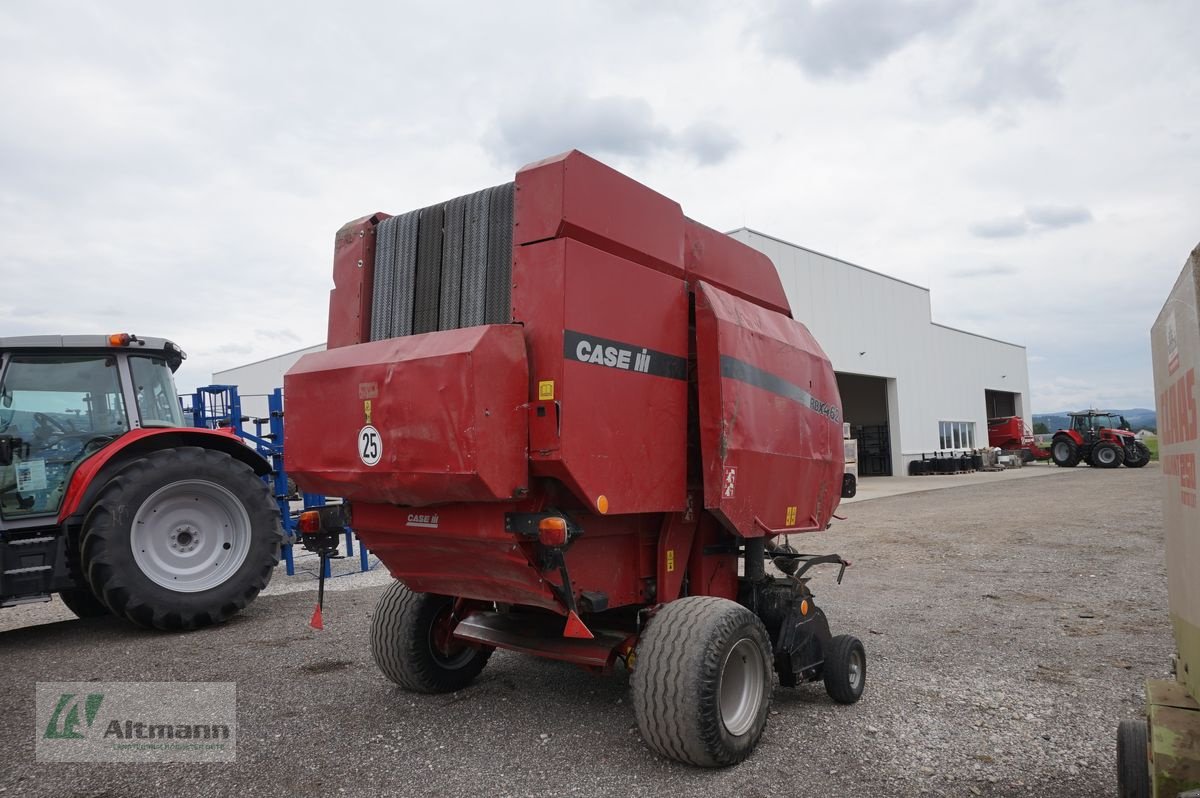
(575, 196)
(448, 407)
(732, 266)
(770, 418)
(615, 359)
(353, 280)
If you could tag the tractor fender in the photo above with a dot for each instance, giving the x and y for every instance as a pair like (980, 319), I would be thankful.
(1074, 436)
(85, 482)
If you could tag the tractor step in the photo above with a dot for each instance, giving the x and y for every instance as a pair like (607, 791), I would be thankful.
(541, 635)
(29, 562)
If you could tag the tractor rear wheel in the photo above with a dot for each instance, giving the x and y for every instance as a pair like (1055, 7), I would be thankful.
(1141, 455)
(1065, 452)
(1106, 454)
(1133, 769)
(83, 602)
(412, 642)
(702, 681)
(181, 538)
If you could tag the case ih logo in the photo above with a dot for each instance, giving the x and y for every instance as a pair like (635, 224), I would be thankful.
(422, 520)
(623, 356)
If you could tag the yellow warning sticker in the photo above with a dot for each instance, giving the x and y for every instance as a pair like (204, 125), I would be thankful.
(791, 517)
(546, 390)
(670, 560)
(367, 411)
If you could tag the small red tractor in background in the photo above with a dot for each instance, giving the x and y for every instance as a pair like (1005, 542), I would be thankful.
(1014, 437)
(572, 422)
(108, 501)
(1100, 439)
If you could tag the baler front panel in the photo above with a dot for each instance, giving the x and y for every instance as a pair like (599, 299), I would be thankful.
(608, 344)
(417, 420)
(770, 418)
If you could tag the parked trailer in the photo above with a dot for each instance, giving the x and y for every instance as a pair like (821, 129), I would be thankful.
(562, 413)
(1160, 755)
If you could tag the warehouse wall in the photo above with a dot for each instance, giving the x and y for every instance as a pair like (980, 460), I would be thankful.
(872, 324)
(256, 380)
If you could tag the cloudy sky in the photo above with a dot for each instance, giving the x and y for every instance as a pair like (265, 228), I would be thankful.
(180, 169)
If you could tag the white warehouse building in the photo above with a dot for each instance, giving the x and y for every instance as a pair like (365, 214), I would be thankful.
(909, 386)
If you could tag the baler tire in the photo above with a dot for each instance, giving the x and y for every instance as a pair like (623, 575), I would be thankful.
(1102, 450)
(845, 669)
(83, 602)
(1064, 452)
(402, 644)
(682, 660)
(1143, 457)
(132, 581)
(1133, 769)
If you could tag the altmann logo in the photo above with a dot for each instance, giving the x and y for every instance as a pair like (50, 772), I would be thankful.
(66, 727)
(421, 520)
(135, 721)
(65, 720)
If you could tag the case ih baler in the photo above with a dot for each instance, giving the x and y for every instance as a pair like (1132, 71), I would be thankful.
(563, 414)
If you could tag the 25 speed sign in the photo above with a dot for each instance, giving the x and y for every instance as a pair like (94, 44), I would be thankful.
(370, 445)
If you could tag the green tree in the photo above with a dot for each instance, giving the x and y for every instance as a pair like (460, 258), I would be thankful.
(1040, 428)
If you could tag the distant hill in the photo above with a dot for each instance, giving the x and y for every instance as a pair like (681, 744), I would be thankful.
(1138, 418)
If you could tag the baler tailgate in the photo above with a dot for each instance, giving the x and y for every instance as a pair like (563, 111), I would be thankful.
(770, 418)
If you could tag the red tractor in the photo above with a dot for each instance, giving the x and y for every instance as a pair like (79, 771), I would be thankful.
(1100, 439)
(109, 501)
(574, 423)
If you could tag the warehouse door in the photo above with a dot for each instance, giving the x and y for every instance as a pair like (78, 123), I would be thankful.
(1001, 404)
(865, 409)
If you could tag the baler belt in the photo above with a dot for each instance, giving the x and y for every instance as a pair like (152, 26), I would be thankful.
(428, 280)
(445, 266)
(452, 263)
(498, 303)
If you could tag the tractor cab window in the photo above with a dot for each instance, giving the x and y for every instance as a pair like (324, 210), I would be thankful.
(1081, 423)
(54, 411)
(157, 401)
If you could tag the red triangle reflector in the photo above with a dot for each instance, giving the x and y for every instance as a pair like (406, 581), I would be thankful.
(576, 628)
(316, 621)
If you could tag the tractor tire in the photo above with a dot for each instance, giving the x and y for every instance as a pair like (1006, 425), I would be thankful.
(1107, 455)
(702, 681)
(1141, 456)
(1133, 760)
(83, 602)
(403, 643)
(845, 669)
(181, 538)
(1064, 452)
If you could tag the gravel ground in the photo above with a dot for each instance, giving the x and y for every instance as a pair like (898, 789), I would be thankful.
(1008, 628)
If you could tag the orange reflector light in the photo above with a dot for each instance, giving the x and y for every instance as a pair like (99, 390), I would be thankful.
(119, 339)
(552, 531)
(804, 606)
(309, 522)
(602, 504)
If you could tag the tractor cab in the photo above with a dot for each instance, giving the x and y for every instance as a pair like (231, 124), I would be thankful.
(1092, 425)
(63, 398)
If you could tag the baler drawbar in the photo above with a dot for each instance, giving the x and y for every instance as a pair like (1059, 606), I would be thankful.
(562, 414)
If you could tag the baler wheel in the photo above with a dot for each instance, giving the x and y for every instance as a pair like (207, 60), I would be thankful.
(1064, 452)
(1142, 458)
(1107, 455)
(702, 681)
(83, 602)
(845, 669)
(181, 538)
(412, 645)
(1133, 769)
